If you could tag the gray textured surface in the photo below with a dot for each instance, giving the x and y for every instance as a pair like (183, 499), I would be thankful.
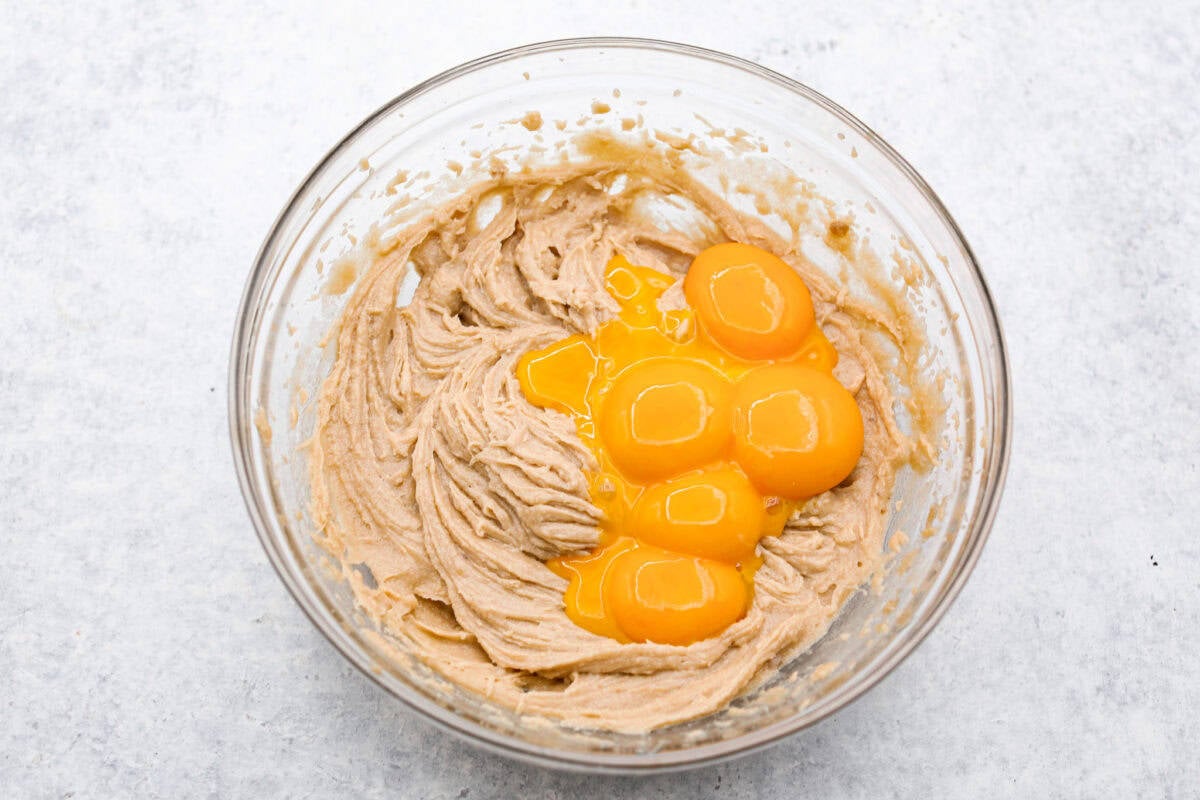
(146, 647)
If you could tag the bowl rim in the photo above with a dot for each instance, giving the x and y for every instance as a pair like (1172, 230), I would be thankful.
(240, 415)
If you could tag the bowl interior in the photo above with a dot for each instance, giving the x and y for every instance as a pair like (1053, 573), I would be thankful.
(428, 144)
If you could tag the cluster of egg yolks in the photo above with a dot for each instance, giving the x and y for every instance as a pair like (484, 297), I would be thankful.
(708, 424)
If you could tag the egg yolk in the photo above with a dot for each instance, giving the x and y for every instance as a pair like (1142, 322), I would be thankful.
(664, 415)
(797, 432)
(655, 595)
(749, 301)
(716, 513)
(587, 576)
(709, 425)
(558, 375)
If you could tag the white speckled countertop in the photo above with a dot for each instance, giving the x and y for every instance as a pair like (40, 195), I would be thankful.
(147, 649)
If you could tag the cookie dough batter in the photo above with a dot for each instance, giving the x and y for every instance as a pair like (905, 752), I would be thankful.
(432, 473)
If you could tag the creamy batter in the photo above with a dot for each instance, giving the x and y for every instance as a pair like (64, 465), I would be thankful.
(431, 471)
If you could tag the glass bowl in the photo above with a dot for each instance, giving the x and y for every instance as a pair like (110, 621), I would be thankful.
(435, 132)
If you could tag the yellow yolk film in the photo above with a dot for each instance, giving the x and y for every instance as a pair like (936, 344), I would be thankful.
(709, 425)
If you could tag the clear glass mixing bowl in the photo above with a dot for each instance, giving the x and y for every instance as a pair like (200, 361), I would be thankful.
(433, 132)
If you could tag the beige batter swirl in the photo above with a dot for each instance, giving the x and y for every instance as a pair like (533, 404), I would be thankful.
(431, 471)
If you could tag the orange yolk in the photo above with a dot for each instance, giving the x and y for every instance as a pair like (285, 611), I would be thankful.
(559, 374)
(709, 425)
(796, 431)
(655, 595)
(749, 301)
(663, 415)
(716, 514)
(587, 577)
